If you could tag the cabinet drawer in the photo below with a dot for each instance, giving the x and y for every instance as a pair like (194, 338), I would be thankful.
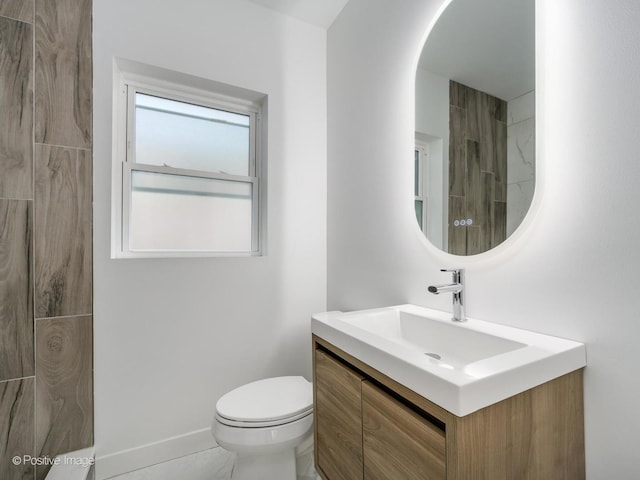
(397, 441)
(338, 419)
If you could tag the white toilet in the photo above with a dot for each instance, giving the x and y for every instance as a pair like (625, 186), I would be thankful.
(263, 422)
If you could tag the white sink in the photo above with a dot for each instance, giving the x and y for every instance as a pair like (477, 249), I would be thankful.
(462, 367)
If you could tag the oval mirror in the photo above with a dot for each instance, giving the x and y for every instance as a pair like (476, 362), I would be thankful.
(474, 140)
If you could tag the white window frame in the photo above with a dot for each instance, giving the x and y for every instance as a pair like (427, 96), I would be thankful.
(423, 173)
(126, 85)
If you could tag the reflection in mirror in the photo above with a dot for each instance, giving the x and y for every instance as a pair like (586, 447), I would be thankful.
(474, 142)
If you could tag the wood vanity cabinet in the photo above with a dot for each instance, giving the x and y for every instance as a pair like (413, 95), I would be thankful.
(337, 418)
(397, 442)
(367, 426)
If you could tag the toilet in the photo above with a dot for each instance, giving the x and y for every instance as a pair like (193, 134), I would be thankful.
(263, 422)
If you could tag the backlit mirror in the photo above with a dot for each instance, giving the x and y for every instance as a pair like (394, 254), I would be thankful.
(474, 140)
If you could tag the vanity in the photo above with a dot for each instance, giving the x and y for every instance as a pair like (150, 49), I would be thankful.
(405, 393)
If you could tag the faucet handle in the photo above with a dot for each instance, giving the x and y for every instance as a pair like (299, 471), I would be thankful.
(458, 274)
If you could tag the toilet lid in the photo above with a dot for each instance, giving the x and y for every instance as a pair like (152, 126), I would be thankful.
(267, 400)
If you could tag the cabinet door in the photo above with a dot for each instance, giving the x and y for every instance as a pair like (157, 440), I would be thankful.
(338, 419)
(398, 442)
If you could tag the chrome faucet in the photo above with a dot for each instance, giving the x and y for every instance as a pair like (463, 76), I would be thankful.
(457, 288)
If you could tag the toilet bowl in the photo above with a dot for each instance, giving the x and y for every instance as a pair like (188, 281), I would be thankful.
(263, 422)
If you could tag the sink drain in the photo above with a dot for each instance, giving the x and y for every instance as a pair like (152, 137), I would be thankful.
(433, 355)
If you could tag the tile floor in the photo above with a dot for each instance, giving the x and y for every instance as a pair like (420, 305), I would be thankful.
(215, 464)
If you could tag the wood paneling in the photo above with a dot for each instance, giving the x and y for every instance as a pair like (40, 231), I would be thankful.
(63, 75)
(16, 107)
(558, 414)
(63, 218)
(500, 223)
(18, 9)
(473, 108)
(535, 435)
(474, 183)
(16, 287)
(64, 385)
(457, 151)
(457, 95)
(477, 169)
(16, 428)
(398, 442)
(457, 235)
(475, 238)
(338, 415)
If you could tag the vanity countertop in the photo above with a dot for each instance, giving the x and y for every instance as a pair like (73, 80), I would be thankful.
(461, 366)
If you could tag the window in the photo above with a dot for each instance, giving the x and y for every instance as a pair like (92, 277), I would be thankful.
(189, 168)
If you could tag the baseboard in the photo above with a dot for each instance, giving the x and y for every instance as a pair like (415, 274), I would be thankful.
(108, 466)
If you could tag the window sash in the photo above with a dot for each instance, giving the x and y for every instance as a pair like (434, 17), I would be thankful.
(133, 89)
(129, 165)
(419, 182)
(129, 168)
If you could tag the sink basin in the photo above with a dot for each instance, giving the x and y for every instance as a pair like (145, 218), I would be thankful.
(462, 367)
(455, 347)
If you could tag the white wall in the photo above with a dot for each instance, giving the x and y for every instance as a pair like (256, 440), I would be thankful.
(173, 335)
(432, 105)
(572, 269)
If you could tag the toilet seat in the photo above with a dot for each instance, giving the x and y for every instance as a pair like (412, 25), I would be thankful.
(266, 423)
(266, 403)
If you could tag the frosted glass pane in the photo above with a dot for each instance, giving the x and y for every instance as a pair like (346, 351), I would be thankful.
(174, 212)
(419, 210)
(182, 135)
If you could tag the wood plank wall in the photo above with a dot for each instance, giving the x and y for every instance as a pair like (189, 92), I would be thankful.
(46, 324)
(477, 170)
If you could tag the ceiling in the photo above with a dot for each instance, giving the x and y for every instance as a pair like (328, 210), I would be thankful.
(487, 45)
(321, 13)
